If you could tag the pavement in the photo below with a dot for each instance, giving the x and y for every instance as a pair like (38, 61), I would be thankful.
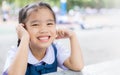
(97, 45)
(104, 68)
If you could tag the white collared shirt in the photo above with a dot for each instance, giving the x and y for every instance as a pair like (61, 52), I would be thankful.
(62, 55)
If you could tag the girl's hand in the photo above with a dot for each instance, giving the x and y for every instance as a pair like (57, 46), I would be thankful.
(21, 31)
(64, 33)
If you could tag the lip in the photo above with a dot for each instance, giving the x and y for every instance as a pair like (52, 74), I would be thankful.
(43, 38)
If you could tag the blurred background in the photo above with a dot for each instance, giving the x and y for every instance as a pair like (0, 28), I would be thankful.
(96, 23)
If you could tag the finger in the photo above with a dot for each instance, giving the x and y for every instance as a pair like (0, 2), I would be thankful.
(21, 24)
(19, 29)
(60, 33)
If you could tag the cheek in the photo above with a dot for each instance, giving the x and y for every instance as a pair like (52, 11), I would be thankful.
(53, 32)
(32, 32)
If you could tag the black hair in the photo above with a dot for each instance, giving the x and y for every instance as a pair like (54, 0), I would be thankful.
(24, 12)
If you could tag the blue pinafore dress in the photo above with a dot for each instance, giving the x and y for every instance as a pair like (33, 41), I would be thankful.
(44, 68)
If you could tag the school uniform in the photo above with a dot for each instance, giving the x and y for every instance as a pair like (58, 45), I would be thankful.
(55, 56)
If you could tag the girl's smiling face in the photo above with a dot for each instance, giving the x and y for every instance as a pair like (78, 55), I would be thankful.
(41, 27)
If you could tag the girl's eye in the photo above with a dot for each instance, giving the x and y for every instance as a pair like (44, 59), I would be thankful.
(35, 24)
(50, 23)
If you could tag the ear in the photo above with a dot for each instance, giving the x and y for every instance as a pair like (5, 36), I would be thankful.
(25, 26)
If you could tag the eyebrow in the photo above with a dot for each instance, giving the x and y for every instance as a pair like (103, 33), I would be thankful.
(34, 21)
(49, 20)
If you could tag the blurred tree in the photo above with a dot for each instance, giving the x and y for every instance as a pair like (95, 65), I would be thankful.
(21, 3)
(112, 3)
(53, 2)
(71, 3)
(85, 3)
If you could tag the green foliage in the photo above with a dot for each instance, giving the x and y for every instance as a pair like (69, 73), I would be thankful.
(85, 3)
(70, 3)
(21, 3)
(53, 2)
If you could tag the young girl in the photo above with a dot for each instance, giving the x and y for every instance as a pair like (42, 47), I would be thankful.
(36, 52)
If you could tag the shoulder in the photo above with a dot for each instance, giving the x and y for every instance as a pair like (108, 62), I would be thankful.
(58, 45)
(62, 53)
(61, 48)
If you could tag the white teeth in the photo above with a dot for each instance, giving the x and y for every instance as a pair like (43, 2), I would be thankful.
(43, 38)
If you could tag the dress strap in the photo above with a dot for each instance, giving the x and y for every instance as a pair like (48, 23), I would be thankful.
(55, 49)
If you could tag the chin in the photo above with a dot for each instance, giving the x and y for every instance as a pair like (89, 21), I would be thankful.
(44, 45)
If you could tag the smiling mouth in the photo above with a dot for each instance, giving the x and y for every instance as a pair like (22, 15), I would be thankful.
(44, 38)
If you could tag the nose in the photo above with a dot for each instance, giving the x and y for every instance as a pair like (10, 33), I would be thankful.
(43, 28)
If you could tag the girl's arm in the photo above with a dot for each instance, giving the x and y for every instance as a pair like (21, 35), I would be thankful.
(19, 63)
(75, 61)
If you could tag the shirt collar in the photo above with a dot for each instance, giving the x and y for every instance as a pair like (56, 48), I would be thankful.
(48, 58)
